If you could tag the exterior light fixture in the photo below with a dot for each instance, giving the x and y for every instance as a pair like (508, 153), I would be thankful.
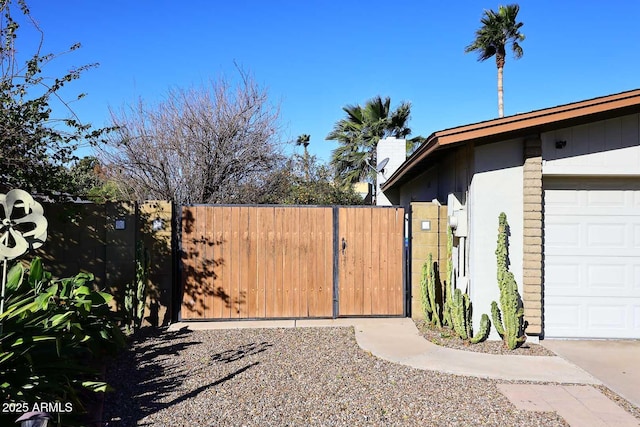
(158, 224)
(34, 419)
(561, 144)
(121, 224)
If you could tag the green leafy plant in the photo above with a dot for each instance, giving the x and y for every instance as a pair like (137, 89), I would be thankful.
(56, 335)
(509, 318)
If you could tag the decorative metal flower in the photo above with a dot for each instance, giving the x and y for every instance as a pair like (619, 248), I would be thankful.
(23, 226)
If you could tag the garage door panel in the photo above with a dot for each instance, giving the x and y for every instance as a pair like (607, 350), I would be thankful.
(607, 235)
(591, 277)
(562, 235)
(562, 278)
(606, 318)
(566, 315)
(608, 199)
(592, 258)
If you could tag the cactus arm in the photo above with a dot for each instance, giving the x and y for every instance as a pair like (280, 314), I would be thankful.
(424, 297)
(497, 318)
(483, 331)
(431, 283)
(457, 314)
(448, 283)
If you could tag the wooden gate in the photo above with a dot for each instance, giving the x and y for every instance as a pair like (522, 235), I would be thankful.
(256, 262)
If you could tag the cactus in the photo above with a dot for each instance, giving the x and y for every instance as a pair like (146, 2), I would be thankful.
(448, 283)
(135, 293)
(424, 292)
(428, 287)
(483, 332)
(461, 316)
(509, 318)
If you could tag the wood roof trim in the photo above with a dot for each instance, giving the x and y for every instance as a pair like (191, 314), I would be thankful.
(513, 124)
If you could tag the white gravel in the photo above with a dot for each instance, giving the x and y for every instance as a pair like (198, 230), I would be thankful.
(292, 377)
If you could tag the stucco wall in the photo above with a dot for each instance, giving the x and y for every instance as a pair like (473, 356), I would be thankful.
(609, 147)
(495, 187)
(423, 188)
(450, 174)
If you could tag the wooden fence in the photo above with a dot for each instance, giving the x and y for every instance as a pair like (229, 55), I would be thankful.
(246, 262)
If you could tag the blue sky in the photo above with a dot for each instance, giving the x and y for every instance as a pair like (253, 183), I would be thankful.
(316, 56)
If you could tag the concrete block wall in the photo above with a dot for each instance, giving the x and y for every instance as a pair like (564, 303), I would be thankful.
(424, 242)
(85, 238)
(155, 224)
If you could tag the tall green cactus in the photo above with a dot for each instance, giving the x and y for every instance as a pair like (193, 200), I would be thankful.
(509, 318)
(428, 292)
(424, 290)
(135, 293)
(448, 283)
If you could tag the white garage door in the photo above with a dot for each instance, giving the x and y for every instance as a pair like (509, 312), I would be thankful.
(592, 258)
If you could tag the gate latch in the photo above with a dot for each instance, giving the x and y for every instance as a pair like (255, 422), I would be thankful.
(344, 245)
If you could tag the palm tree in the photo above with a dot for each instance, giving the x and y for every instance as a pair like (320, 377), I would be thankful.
(304, 141)
(358, 135)
(498, 29)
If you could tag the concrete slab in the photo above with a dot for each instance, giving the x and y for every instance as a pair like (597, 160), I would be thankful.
(614, 362)
(579, 405)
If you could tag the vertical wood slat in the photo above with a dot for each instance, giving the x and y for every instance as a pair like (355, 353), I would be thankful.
(367, 264)
(261, 261)
(187, 263)
(327, 265)
(305, 297)
(218, 304)
(270, 261)
(234, 262)
(376, 254)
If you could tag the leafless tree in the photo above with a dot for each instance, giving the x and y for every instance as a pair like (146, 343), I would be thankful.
(201, 145)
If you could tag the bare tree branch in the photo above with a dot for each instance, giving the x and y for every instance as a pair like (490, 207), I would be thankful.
(198, 145)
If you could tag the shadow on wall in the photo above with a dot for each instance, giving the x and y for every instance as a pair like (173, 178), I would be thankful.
(202, 265)
(101, 239)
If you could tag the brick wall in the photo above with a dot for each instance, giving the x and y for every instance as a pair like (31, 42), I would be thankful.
(532, 238)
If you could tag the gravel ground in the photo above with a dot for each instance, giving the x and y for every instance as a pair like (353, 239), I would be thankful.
(444, 338)
(292, 377)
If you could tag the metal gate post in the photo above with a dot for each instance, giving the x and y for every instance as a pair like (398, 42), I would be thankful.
(336, 262)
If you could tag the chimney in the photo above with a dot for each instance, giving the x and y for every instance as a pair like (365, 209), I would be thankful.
(390, 155)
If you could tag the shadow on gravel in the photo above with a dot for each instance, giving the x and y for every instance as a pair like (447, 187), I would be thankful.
(149, 375)
(242, 351)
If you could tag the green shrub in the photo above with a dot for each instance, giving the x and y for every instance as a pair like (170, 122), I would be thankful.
(55, 336)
